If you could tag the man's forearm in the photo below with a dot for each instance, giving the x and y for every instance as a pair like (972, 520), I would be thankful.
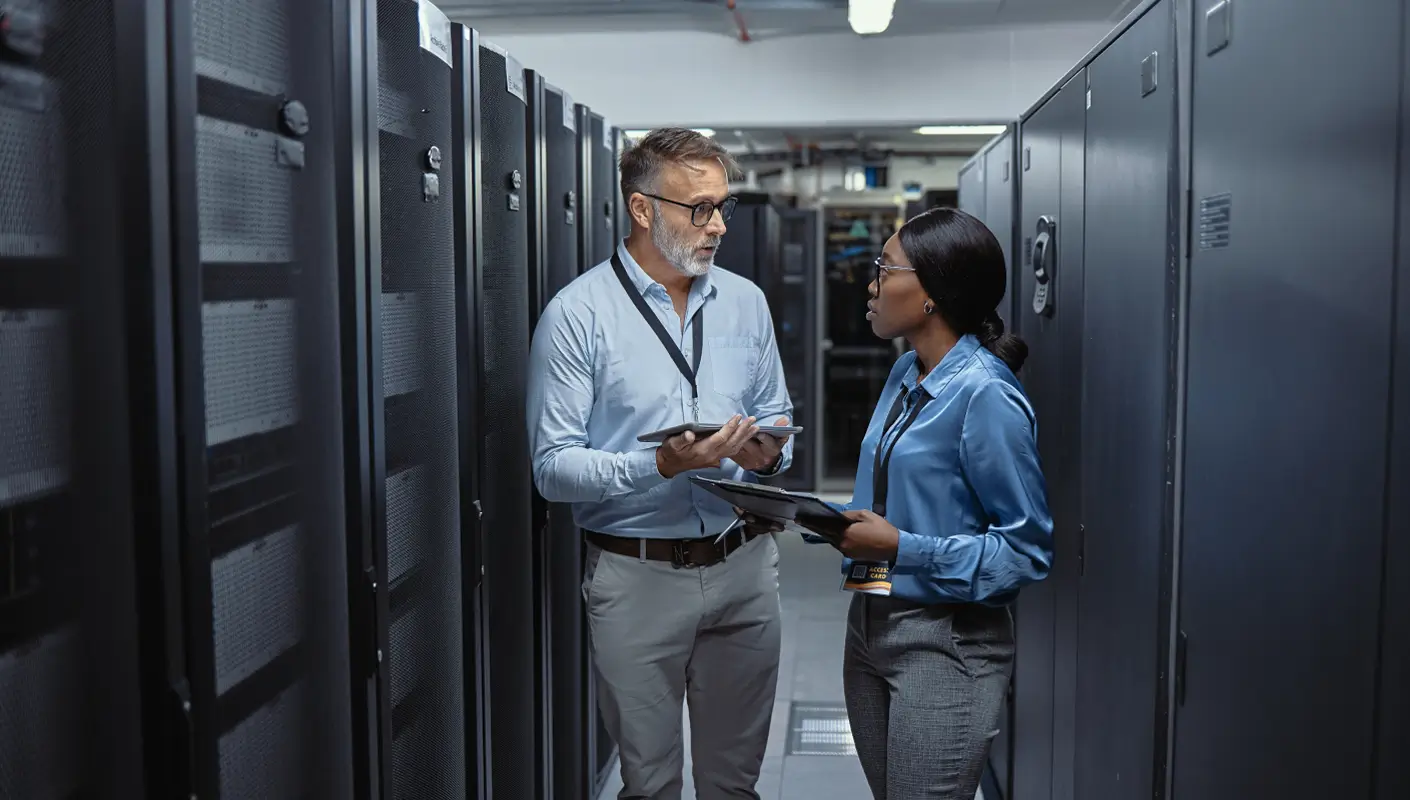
(578, 474)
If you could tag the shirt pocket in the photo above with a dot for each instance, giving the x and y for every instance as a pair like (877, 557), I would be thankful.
(732, 365)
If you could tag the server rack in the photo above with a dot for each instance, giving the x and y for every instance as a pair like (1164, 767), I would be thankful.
(506, 487)
(553, 211)
(84, 272)
(1311, 508)
(989, 191)
(794, 290)
(255, 239)
(624, 217)
(418, 517)
(750, 248)
(597, 188)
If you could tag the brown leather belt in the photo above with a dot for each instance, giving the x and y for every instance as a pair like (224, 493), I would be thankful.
(680, 553)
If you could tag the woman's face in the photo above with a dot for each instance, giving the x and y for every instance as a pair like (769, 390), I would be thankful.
(897, 304)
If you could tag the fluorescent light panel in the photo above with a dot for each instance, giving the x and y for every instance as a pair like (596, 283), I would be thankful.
(640, 134)
(961, 130)
(870, 16)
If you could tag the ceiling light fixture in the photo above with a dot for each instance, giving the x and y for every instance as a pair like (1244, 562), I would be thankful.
(641, 133)
(869, 17)
(961, 130)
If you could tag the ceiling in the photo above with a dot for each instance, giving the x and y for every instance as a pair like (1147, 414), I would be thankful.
(763, 19)
(757, 141)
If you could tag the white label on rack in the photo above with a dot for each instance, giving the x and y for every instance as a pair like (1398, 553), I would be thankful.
(514, 77)
(570, 115)
(1089, 98)
(435, 30)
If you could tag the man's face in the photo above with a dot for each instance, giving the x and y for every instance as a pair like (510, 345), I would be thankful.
(688, 247)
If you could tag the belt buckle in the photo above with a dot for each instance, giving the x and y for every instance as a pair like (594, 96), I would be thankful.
(680, 556)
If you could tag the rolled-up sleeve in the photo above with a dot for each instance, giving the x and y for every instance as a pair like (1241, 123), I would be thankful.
(999, 456)
(770, 399)
(560, 399)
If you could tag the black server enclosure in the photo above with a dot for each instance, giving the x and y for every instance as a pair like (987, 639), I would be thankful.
(598, 189)
(999, 199)
(418, 587)
(620, 144)
(794, 290)
(750, 246)
(469, 255)
(597, 231)
(1289, 576)
(506, 480)
(553, 209)
(255, 216)
(1127, 387)
(85, 351)
(1048, 306)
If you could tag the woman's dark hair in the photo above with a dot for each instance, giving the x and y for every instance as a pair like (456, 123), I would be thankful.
(961, 266)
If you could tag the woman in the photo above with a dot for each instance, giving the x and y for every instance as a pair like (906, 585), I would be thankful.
(949, 508)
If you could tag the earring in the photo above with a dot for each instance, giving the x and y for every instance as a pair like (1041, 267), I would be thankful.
(929, 307)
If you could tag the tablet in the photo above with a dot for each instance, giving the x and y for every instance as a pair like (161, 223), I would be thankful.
(701, 429)
(779, 505)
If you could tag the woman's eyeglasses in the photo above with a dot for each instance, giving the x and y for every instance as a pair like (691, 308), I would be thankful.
(882, 269)
(700, 213)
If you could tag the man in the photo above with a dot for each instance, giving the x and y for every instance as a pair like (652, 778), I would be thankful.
(652, 338)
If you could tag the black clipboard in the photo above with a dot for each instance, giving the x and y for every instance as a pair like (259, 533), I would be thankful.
(701, 429)
(779, 505)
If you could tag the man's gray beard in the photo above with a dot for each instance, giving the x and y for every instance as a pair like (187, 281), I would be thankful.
(677, 248)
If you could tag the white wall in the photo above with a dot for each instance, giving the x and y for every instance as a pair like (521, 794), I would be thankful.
(638, 79)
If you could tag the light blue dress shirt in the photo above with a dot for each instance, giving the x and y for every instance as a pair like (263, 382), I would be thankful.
(599, 378)
(966, 487)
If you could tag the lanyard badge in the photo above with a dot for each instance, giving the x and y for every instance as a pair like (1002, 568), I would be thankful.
(691, 372)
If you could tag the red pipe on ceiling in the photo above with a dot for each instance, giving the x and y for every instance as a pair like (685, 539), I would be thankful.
(739, 21)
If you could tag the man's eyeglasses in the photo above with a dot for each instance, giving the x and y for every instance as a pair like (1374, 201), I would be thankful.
(882, 269)
(700, 213)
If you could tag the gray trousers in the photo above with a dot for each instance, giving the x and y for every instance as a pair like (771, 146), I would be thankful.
(925, 687)
(708, 636)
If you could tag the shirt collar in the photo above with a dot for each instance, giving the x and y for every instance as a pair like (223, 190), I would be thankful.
(949, 366)
(702, 286)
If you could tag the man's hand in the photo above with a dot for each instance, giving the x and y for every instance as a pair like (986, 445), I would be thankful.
(761, 452)
(757, 526)
(869, 537)
(684, 453)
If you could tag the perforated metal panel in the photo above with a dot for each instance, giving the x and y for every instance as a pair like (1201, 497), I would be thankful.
(271, 684)
(41, 723)
(34, 404)
(505, 483)
(424, 655)
(70, 694)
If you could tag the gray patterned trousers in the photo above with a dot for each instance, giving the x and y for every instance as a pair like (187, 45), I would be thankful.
(925, 687)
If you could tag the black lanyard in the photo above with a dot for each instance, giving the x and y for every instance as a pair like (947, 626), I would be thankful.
(690, 371)
(882, 463)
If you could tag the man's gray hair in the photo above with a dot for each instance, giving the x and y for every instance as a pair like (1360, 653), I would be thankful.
(641, 163)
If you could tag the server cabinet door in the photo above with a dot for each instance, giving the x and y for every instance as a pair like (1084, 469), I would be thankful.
(972, 188)
(469, 254)
(553, 262)
(562, 549)
(793, 291)
(1043, 380)
(1127, 384)
(505, 469)
(416, 446)
(605, 194)
(1064, 467)
(1392, 777)
(998, 212)
(622, 215)
(1290, 305)
(75, 170)
(256, 300)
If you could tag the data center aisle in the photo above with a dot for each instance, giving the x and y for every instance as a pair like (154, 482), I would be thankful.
(809, 689)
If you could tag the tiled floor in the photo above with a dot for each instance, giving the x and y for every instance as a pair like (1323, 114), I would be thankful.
(810, 671)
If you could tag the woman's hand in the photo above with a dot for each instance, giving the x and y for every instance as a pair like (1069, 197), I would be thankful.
(869, 537)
